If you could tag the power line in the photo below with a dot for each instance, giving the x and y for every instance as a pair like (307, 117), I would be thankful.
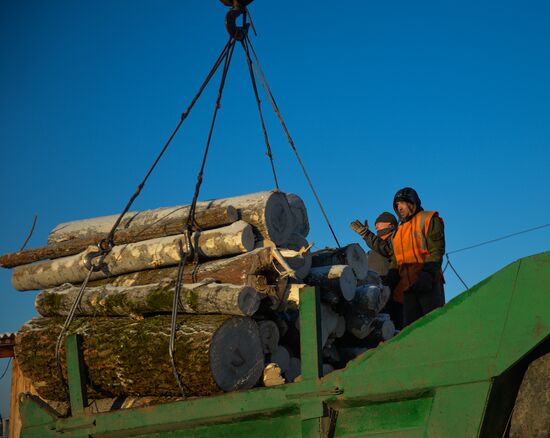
(498, 239)
(449, 264)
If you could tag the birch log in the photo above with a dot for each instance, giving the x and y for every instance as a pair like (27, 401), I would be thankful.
(241, 269)
(268, 212)
(164, 251)
(124, 357)
(160, 220)
(167, 225)
(336, 278)
(149, 299)
(352, 255)
(299, 214)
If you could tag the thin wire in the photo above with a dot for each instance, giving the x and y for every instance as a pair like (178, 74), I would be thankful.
(269, 153)
(30, 233)
(267, 89)
(227, 61)
(498, 239)
(259, 105)
(190, 219)
(67, 323)
(184, 115)
(455, 271)
(173, 322)
(6, 370)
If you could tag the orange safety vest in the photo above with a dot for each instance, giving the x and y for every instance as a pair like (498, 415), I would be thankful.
(410, 249)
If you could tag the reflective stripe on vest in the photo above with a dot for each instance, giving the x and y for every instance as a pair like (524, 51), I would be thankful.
(409, 242)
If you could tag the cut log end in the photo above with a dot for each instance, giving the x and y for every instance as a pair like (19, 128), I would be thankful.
(236, 355)
(249, 301)
(279, 222)
(356, 257)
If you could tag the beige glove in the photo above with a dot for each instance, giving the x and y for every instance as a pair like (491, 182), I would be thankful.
(359, 227)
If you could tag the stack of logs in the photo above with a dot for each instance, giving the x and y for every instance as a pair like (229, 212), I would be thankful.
(237, 324)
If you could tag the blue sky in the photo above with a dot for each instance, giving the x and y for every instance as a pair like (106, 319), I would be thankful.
(452, 98)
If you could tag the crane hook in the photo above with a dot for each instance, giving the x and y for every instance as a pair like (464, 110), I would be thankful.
(238, 8)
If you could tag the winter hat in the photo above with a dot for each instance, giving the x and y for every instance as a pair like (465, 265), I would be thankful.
(409, 195)
(387, 217)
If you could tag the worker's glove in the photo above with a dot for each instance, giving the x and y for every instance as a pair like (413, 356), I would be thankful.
(424, 282)
(359, 227)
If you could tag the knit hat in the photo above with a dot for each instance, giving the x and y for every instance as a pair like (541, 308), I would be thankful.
(387, 217)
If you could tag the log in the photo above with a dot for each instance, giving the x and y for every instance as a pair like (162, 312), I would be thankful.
(299, 214)
(296, 242)
(383, 328)
(352, 255)
(163, 251)
(329, 322)
(359, 325)
(158, 222)
(272, 375)
(331, 353)
(155, 298)
(166, 225)
(292, 295)
(294, 369)
(340, 327)
(335, 278)
(281, 357)
(368, 299)
(269, 334)
(241, 269)
(124, 357)
(268, 212)
(299, 262)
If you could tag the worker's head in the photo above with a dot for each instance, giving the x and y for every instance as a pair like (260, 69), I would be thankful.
(385, 223)
(406, 203)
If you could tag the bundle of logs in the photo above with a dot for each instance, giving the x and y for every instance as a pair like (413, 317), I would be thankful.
(238, 315)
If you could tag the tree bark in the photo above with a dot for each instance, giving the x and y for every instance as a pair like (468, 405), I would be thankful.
(124, 357)
(352, 255)
(162, 223)
(108, 300)
(242, 269)
(299, 214)
(163, 251)
(335, 278)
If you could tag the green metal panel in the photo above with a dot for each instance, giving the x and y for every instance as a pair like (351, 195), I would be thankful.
(407, 416)
(75, 372)
(432, 380)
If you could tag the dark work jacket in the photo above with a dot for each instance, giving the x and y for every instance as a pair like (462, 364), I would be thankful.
(380, 254)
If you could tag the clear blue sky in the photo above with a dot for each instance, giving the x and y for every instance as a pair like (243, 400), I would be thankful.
(452, 98)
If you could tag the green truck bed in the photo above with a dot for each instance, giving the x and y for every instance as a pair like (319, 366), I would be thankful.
(455, 372)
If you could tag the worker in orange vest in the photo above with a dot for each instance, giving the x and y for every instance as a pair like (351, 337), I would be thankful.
(418, 247)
